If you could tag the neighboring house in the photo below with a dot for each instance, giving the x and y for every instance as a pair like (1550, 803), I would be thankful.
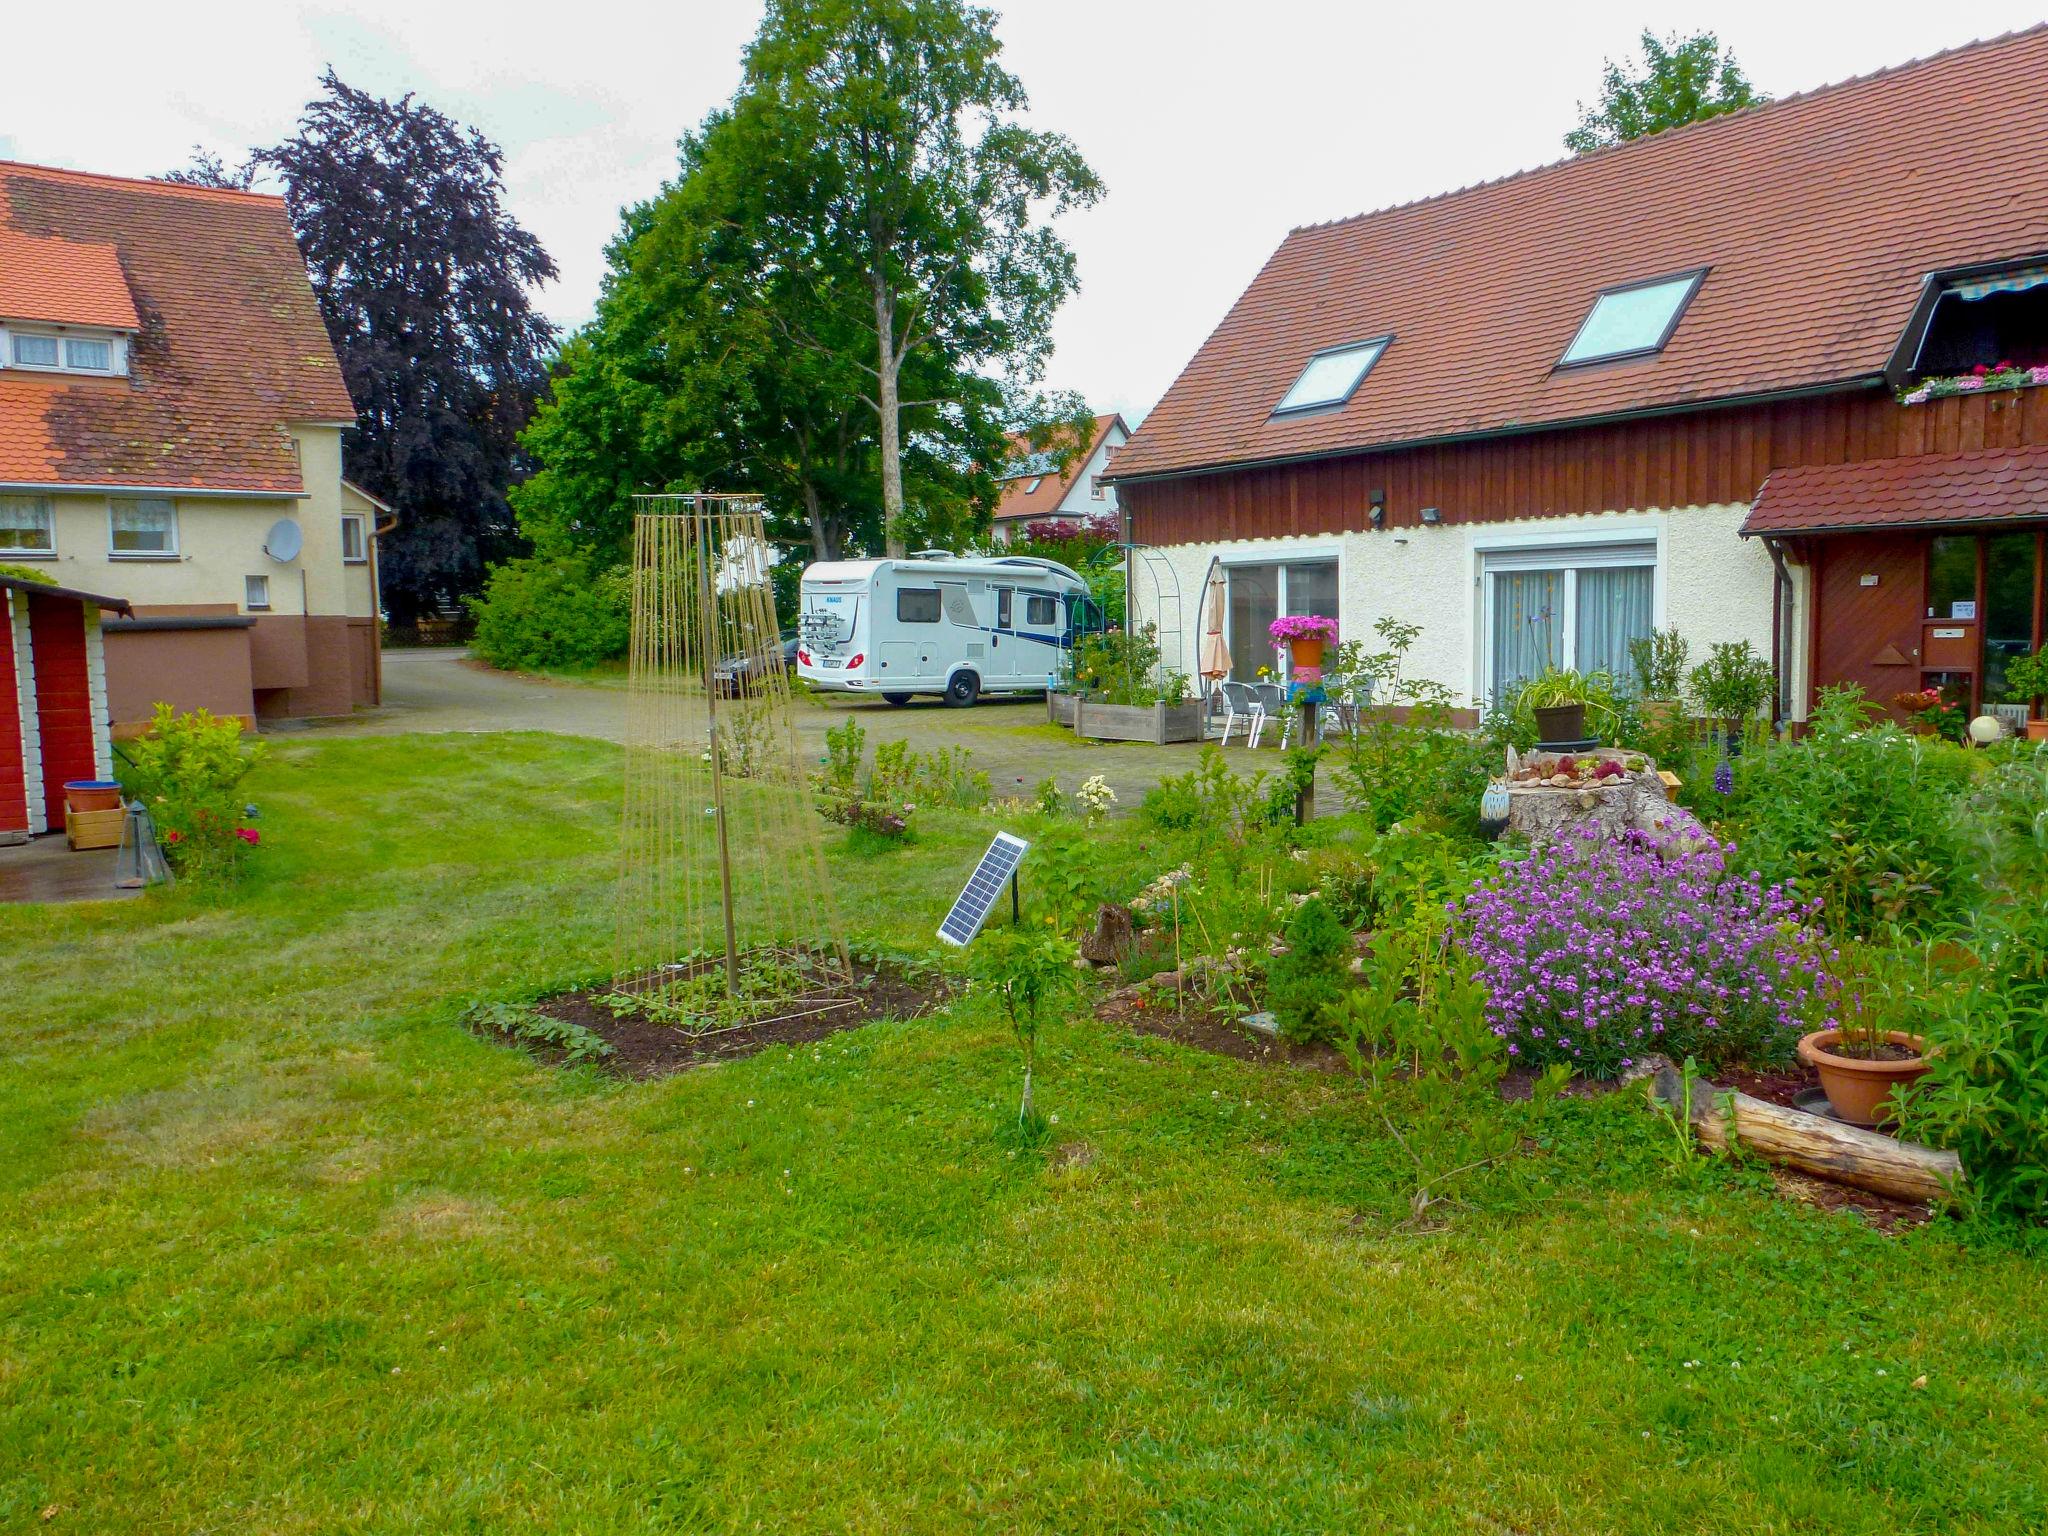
(53, 700)
(1654, 385)
(1034, 488)
(171, 414)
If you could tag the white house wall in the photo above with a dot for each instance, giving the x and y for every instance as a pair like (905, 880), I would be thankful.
(1710, 584)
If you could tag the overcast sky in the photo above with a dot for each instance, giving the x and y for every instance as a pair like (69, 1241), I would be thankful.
(1216, 126)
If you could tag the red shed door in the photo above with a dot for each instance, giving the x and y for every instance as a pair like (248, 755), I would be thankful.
(56, 627)
(13, 781)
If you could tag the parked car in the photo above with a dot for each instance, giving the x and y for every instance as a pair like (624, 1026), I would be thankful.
(739, 674)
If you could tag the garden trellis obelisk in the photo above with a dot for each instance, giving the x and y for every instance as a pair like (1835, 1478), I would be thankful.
(721, 851)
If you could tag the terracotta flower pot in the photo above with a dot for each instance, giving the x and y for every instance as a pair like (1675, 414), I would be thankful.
(83, 795)
(2037, 730)
(1858, 1089)
(1306, 652)
(1560, 723)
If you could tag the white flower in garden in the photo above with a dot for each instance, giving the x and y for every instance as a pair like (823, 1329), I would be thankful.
(1096, 797)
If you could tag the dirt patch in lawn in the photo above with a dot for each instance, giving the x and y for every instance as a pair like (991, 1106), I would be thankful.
(1200, 1026)
(644, 1047)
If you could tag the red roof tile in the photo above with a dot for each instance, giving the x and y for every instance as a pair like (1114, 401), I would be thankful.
(1017, 501)
(230, 344)
(1817, 217)
(66, 282)
(1995, 485)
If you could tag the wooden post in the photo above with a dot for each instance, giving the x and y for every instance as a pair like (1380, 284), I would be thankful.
(707, 631)
(1305, 802)
(1827, 1149)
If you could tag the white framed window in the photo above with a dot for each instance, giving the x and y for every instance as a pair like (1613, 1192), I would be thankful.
(255, 592)
(64, 351)
(1574, 606)
(27, 526)
(145, 528)
(354, 550)
(33, 351)
(1095, 487)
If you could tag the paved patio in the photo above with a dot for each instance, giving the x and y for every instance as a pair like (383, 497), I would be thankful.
(45, 869)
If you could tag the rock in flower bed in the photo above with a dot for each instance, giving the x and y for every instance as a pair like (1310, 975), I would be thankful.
(1597, 950)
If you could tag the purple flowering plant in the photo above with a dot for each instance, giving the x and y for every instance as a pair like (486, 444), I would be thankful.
(1598, 950)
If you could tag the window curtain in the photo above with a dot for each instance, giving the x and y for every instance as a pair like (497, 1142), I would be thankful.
(144, 525)
(1528, 625)
(1613, 609)
(25, 522)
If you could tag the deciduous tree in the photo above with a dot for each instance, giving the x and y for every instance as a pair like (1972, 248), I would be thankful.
(425, 282)
(1682, 80)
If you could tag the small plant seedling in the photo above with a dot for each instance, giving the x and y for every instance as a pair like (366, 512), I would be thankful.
(1030, 970)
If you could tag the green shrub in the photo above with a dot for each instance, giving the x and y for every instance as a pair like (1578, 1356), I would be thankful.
(1659, 661)
(1861, 816)
(1210, 801)
(1985, 1095)
(537, 613)
(1305, 985)
(1733, 683)
(1121, 666)
(187, 769)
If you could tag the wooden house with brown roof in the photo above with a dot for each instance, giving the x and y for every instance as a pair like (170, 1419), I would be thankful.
(171, 413)
(1773, 377)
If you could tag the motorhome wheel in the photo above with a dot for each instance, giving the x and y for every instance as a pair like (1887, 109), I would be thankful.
(961, 689)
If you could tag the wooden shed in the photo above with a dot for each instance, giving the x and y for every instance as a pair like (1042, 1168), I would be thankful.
(53, 699)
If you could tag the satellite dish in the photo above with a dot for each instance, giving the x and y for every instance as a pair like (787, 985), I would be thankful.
(284, 541)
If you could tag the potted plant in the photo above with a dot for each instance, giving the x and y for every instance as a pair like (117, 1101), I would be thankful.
(1660, 659)
(2026, 677)
(1557, 697)
(1732, 685)
(1862, 1057)
(1305, 635)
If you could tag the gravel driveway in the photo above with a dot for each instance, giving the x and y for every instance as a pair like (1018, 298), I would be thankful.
(442, 690)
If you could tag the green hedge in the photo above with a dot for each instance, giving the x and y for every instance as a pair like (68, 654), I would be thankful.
(538, 613)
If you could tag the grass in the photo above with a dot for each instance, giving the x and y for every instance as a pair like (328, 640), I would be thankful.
(288, 1250)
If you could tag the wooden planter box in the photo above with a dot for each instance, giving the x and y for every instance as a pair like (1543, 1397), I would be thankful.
(1156, 723)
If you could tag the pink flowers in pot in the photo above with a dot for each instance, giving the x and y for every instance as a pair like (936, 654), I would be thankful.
(1302, 626)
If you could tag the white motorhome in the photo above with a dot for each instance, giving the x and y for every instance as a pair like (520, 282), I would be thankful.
(952, 625)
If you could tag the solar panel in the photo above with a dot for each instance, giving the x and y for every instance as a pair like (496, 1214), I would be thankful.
(971, 907)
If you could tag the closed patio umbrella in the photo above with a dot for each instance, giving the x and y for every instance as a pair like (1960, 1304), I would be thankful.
(1215, 659)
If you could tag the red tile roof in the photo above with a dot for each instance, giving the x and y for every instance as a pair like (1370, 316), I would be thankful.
(66, 282)
(230, 344)
(1817, 217)
(1927, 490)
(1016, 501)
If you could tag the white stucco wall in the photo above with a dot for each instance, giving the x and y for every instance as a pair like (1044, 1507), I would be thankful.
(1081, 500)
(220, 541)
(1711, 584)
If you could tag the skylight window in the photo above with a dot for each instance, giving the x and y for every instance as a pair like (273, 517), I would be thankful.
(1633, 320)
(1332, 376)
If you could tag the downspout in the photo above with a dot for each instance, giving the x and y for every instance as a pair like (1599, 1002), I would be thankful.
(1781, 617)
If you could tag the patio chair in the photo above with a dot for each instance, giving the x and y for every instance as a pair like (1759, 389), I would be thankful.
(1272, 700)
(1240, 702)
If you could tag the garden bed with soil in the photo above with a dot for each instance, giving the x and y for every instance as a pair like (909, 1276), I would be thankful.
(644, 1047)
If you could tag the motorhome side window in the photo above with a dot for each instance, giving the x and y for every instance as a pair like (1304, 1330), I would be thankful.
(1041, 610)
(917, 605)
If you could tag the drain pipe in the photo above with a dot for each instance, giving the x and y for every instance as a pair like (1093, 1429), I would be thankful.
(1781, 601)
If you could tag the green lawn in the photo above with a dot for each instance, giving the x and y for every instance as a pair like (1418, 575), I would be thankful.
(287, 1250)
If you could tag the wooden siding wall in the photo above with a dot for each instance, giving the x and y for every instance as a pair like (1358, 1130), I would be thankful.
(1699, 459)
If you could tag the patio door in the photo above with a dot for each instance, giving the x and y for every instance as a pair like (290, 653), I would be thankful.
(1259, 594)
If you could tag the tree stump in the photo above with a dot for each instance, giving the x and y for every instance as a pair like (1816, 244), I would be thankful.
(1110, 940)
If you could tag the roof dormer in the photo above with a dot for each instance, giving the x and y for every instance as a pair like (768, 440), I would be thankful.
(64, 306)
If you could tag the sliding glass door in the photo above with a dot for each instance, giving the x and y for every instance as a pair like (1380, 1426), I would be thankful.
(1259, 594)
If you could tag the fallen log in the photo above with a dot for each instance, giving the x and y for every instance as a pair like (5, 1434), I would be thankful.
(1827, 1149)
